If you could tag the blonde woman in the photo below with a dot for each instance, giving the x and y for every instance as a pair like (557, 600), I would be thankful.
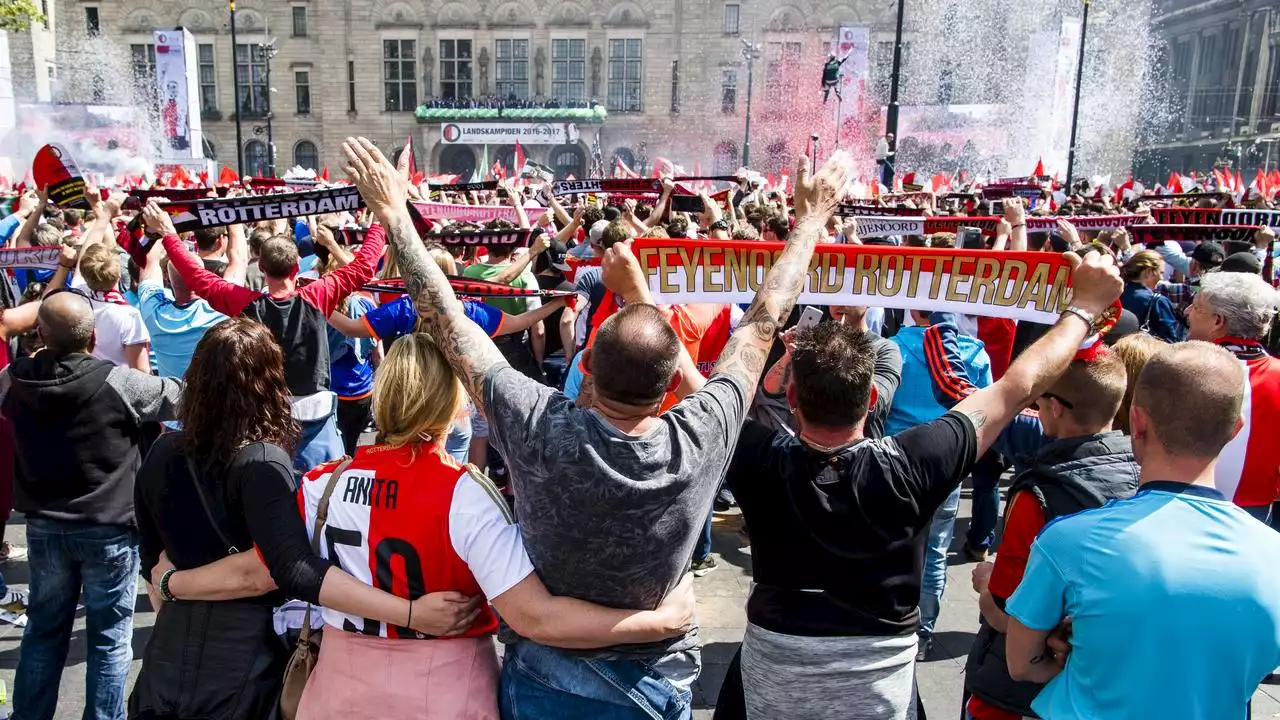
(1155, 312)
(405, 517)
(1135, 350)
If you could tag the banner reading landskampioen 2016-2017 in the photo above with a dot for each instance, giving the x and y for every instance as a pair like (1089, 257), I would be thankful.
(1020, 285)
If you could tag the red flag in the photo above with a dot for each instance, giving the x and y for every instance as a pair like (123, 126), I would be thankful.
(519, 157)
(324, 174)
(204, 178)
(1039, 171)
(227, 176)
(808, 147)
(182, 176)
(909, 179)
(416, 178)
(1237, 183)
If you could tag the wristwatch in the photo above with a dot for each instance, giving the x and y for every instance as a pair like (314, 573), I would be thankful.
(1088, 317)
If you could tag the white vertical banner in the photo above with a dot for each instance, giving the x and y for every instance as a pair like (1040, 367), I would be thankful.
(178, 86)
(1064, 89)
(854, 44)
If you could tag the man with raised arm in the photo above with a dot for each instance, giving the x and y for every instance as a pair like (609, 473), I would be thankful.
(611, 498)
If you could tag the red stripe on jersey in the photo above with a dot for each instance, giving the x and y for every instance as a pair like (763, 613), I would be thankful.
(1259, 479)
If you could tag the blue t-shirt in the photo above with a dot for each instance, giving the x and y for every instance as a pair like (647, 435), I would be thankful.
(175, 329)
(391, 320)
(350, 372)
(1174, 596)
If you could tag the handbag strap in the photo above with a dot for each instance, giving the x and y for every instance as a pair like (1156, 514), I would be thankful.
(322, 510)
(204, 503)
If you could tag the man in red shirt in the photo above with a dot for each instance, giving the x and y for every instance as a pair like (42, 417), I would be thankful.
(1235, 310)
(297, 317)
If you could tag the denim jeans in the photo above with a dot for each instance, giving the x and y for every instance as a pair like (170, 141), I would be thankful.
(64, 558)
(986, 503)
(458, 442)
(319, 442)
(934, 579)
(541, 682)
(703, 548)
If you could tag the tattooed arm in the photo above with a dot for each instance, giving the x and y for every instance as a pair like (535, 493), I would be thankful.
(816, 198)
(468, 349)
(1095, 286)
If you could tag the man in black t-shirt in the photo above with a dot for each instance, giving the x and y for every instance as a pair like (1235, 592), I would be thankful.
(838, 521)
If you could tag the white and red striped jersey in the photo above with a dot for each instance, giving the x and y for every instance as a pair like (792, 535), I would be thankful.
(1248, 469)
(411, 522)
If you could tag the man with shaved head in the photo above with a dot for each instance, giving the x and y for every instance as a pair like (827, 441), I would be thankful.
(1175, 582)
(77, 433)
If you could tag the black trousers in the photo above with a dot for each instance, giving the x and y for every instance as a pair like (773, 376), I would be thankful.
(353, 418)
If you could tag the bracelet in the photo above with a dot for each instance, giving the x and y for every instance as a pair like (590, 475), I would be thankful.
(1022, 224)
(1084, 315)
(409, 623)
(168, 596)
(72, 266)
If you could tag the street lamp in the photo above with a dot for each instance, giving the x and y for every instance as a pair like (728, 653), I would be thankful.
(750, 53)
(235, 75)
(269, 51)
(891, 119)
(1075, 109)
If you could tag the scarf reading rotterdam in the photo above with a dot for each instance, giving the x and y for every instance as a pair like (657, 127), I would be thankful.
(217, 212)
(1033, 286)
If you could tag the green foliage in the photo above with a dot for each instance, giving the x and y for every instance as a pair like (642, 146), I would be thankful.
(17, 15)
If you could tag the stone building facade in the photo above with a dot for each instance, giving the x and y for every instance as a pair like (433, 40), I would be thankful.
(1223, 65)
(670, 75)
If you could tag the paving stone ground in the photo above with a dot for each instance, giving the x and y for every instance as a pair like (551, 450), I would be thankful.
(721, 611)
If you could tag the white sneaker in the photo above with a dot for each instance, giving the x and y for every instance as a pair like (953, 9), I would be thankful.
(14, 601)
(13, 618)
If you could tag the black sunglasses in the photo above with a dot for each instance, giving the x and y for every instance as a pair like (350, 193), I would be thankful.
(74, 291)
(1059, 398)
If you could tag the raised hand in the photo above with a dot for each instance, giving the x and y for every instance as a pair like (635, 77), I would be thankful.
(819, 195)
(384, 189)
(156, 221)
(1095, 281)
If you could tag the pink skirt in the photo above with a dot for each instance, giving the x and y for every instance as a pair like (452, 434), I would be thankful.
(369, 677)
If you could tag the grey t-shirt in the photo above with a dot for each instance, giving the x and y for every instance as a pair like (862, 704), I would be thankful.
(608, 517)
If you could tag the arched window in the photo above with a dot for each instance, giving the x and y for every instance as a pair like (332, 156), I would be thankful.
(458, 160)
(306, 155)
(568, 160)
(255, 158)
(726, 160)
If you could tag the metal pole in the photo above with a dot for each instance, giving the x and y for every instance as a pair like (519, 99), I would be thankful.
(891, 119)
(839, 107)
(1075, 109)
(235, 74)
(271, 143)
(746, 141)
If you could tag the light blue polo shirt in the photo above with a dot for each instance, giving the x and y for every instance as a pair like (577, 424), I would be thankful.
(1174, 596)
(175, 329)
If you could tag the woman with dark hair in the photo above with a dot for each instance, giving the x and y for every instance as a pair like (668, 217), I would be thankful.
(224, 485)
(1155, 312)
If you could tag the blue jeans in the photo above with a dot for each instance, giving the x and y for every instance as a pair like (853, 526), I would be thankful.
(703, 548)
(64, 558)
(541, 682)
(986, 505)
(458, 443)
(934, 579)
(318, 442)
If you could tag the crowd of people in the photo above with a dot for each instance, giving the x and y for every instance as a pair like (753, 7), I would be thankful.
(544, 466)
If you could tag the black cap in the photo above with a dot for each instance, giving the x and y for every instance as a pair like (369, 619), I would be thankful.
(557, 254)
(1127, 324)
(1242, 262)
(1208, 255)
